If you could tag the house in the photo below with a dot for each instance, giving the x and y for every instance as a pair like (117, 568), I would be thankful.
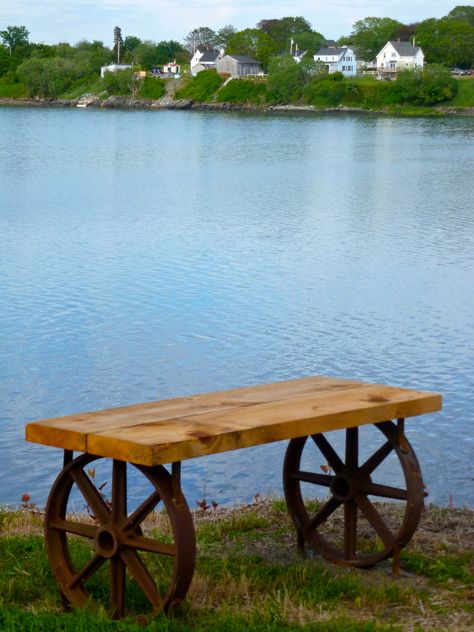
(397, 56)
(113, 68)
(204, 60)
(239, 66)
(172, 68)
(338, 59)
(298, 55)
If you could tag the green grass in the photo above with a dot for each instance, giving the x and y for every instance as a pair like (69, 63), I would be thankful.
(465, 95)
(250, 577)
(245, 91)
(12, 90)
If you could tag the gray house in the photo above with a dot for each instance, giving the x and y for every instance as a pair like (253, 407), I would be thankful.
(239, 66)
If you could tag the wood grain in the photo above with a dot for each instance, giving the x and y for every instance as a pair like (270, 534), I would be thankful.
(187, 427)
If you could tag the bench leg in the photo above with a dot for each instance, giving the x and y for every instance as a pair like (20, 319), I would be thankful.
(350, 526)
(119, 550)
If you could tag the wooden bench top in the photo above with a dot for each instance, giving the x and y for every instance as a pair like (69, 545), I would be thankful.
(177, 429)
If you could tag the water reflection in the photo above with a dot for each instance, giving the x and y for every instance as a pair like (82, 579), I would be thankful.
(147, 255)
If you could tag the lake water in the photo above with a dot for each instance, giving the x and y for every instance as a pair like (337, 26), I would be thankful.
(146, 255)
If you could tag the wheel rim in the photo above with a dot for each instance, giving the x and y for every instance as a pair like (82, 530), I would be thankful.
(348, 528)
(156, 571)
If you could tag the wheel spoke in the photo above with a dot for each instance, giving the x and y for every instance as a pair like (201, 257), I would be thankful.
(328, 452)
(350, 529)
(119, 491)
(117, 587)
(142, 543)
(91, 495)
(143, 510)
(352, 447)
(384, 491)
(76, 528)
(323, 514)
(313, 477)
(141, 575)
(376, 459)
(375, 519)
(87, 571)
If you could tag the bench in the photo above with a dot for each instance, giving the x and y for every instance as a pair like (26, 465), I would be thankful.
(139, 440)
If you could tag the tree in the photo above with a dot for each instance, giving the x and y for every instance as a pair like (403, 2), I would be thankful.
(310, 41)
(287, 78)
(282, 30)
(371, 34)
(447, 41)
(463, 14)
(254, 43)
(224, 34)
(118, 44)
(14, 36)
(201, 37)
(131, 42)
(48, 77)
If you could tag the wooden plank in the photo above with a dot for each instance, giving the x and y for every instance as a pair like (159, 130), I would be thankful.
(210, 433)
(183, 428)
(70, 432)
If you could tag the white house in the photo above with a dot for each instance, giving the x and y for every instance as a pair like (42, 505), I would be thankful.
(113, 68)
(204, 60)
(397, 56)
(338, 59)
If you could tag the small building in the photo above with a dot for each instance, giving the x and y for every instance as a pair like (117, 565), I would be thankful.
(205, 60)
(113, 68)
(172, 68)
(397, 56)
(239, 66)
(338, 59)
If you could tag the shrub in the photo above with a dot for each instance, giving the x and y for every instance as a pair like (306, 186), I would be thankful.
(152, 88)
(243, 91)
(431, 85)
(326, 92)
(287, 78)
(202, 87)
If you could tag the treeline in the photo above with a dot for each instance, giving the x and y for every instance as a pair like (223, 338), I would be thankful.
(32, 69)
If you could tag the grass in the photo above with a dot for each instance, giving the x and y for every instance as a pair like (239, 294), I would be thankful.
(465, 95)
(250, 577)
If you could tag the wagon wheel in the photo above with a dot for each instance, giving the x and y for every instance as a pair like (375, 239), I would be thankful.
(152, 571)
(348, 527)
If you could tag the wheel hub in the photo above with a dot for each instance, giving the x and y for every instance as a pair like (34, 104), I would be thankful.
(107, 543)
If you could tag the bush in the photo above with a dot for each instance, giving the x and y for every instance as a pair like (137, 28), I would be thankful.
(118, 83)
(202, 87)
(326, 92)
(431, 85)
(287, 78)
(11, 87)
(243, 91)
(152, 88)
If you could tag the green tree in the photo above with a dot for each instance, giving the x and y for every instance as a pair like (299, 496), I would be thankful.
(281, 30)
(311, 41)
(447, 41)
(371, 34)
(287, 78)
(463, 13)
(428, 86)
(254, 43)
(48, 77)
(131, 42)
(118, 44)
(14, 36)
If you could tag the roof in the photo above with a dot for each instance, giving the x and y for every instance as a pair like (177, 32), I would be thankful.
(404, 49)
(244, 59)
(209, 56)
(332, 50)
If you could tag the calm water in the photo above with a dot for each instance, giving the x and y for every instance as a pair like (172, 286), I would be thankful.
(151, 254)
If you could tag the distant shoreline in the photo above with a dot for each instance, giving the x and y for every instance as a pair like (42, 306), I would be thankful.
(166, 103)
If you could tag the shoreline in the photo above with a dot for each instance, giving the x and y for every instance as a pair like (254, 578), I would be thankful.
(167, 103)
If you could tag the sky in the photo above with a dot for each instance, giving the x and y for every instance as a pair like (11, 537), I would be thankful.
(53, 21)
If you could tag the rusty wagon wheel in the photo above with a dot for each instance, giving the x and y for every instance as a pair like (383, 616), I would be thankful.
(350, 527)
(87, 531)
